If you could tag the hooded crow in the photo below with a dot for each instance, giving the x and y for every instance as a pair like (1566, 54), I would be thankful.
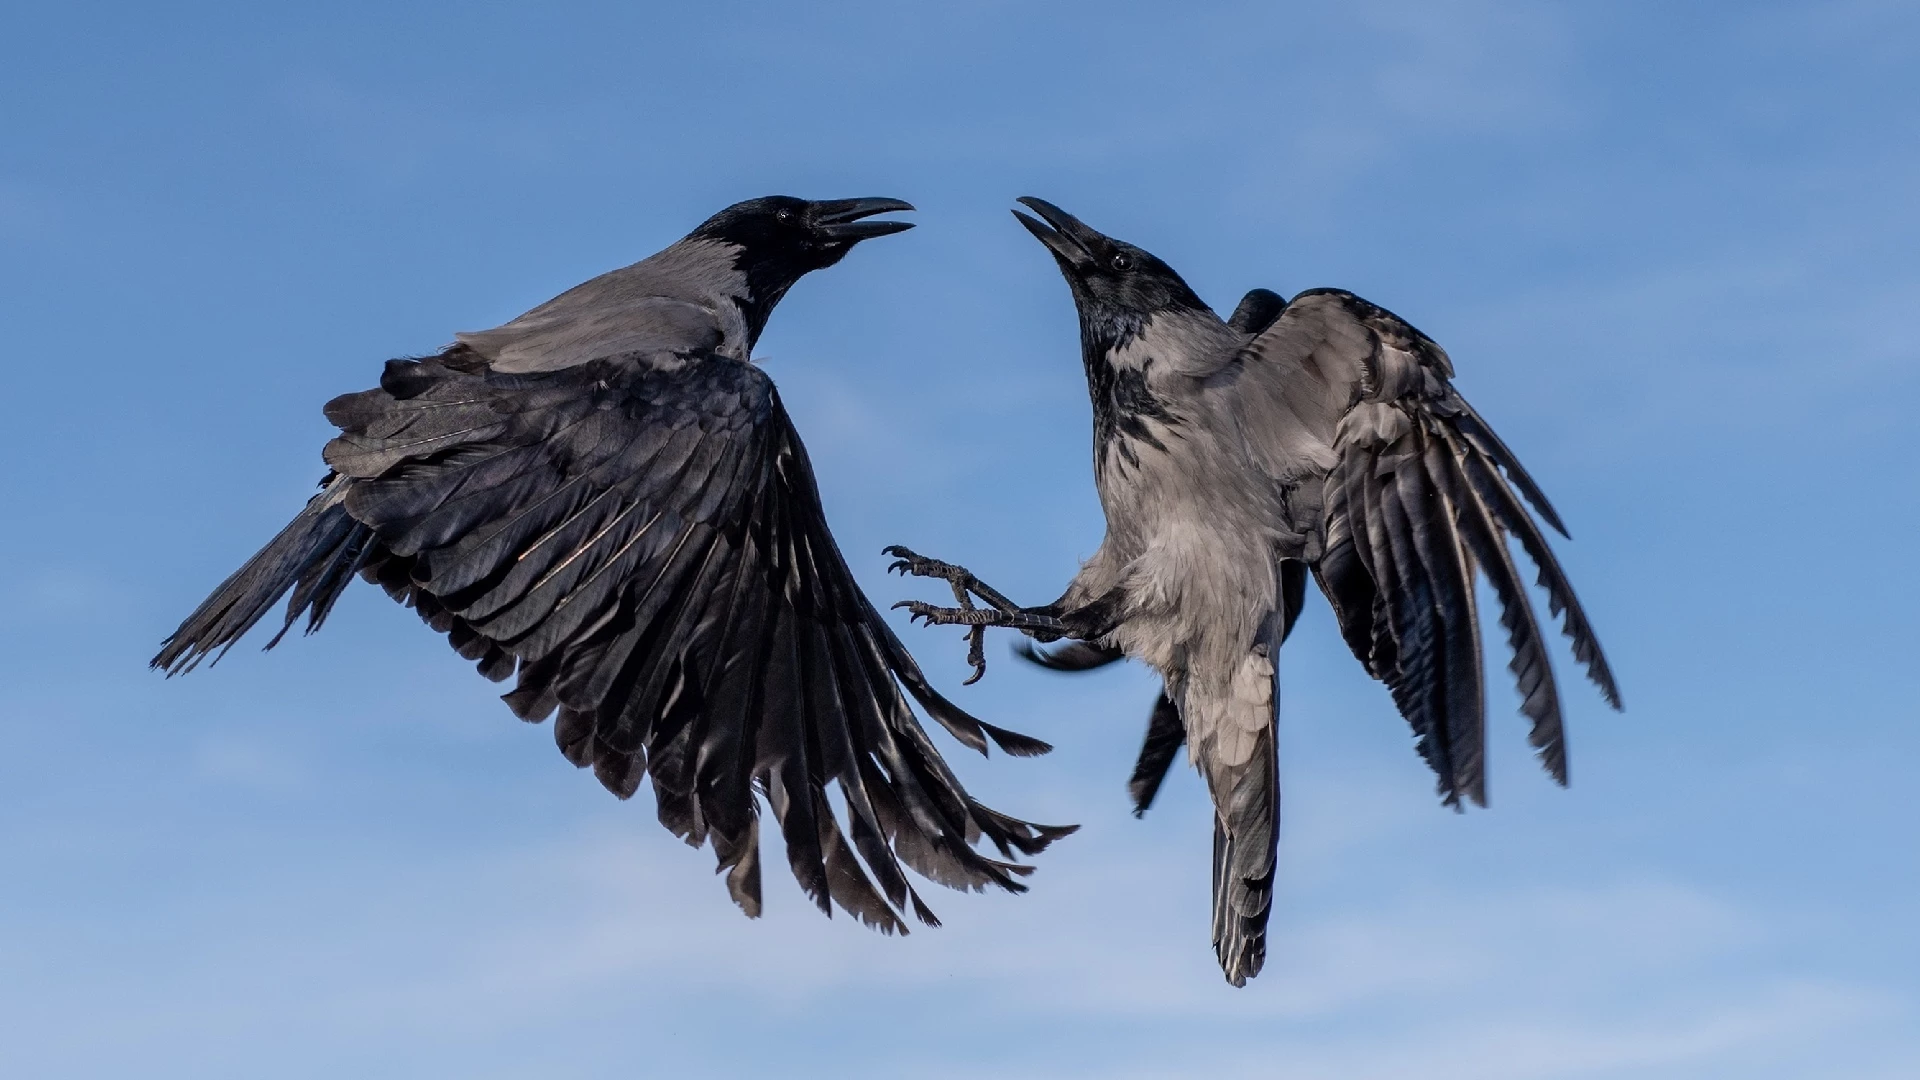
(1234, 457)
(605, 500)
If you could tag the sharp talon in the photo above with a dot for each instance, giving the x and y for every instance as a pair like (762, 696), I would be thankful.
(920, 611)
(976, 654)
(902, 604)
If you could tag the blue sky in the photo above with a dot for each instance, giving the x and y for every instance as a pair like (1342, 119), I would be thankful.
(1670, 248)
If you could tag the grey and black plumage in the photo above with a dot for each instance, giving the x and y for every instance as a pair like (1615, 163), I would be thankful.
(605, 500)
(1319, 435)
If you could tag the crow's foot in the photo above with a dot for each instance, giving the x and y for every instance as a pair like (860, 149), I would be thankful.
(963, 582)
(1003, 612)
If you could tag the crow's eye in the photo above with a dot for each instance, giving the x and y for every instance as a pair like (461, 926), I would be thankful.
(785, 216)
(1122, 261)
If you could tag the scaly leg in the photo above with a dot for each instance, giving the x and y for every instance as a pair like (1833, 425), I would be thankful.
(966, 586)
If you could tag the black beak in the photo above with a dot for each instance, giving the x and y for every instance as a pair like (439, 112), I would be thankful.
(1070, 241)
(839, 219)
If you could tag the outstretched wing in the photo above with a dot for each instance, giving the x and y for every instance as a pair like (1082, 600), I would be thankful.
(639, 539)
(1411, 495)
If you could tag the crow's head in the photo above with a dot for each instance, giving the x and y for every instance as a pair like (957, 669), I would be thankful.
(777, 240)
(782, 239)
(1117, 287)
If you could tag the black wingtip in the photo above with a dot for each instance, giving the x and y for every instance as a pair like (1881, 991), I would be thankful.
(1258, 310)
(1600, 673)
(1047, 834)
(1014, 743)
(1012, 833)
(1166, 733)
(1478, 430)
(922, 912)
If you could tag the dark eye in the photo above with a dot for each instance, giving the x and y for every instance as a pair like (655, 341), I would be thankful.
(785, 216)
(1122, 261)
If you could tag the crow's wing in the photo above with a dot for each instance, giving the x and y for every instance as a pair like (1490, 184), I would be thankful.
(1410, 494)
(640, 539)
(1256, 311)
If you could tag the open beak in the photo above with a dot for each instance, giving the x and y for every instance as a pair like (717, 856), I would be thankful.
(1070, 241)
(839, 219)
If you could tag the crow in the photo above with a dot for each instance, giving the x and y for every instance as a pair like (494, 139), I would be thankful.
(606, 499)
(1318, 435)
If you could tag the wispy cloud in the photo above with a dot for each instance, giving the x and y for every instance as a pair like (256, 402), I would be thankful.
(1510, 983)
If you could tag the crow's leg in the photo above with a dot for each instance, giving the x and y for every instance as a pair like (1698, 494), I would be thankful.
(962, 579)
(966, 586)
(908, 563)
(1042, 626)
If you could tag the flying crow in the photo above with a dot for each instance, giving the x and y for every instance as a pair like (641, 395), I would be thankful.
(605, 499)
(1319, 434)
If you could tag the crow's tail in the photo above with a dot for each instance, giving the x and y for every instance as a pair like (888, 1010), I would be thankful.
(315, 556)
(1231, 726)
(1246, 830)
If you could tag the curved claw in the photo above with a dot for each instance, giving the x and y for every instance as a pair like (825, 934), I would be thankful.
(942, 616)
(976, 654)
(911, 563)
